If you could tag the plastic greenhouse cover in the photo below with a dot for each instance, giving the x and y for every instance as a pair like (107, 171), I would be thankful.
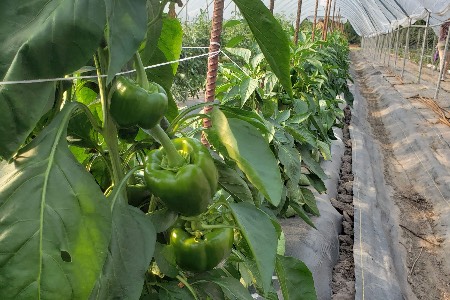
(368, 17)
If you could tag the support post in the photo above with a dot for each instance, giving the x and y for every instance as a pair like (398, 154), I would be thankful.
(325, 24)
(396, 46)
(406, 48)
(213, 62)
(441, 71)
(271, 5)
(333, 24)
(423, 47)
(390, 45)
(297, 21)
(315, 21)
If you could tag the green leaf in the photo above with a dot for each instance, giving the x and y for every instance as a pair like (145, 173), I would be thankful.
(299, 118)
(296, 280)
(232, 288)
(312, 165)
(163, 219)
(270, 37)
(130, 252)
(41, 39)
(302, 213)
(282, 116)
(251, 117)
(257, 229)
(165, 259)
(171, 291)
(310, 201)
(324, 149)
(80, 131)
(168, 49)
(302, 134)
(243, 53)
(316, 183)
(127, 24)
(56, 223)
(231, 23)
(234, 41)
(247, 87)
(291, 161)
(171, 40)
(231, 182)
(248, 148)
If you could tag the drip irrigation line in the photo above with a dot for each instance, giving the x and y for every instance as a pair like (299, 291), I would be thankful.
(360, 228)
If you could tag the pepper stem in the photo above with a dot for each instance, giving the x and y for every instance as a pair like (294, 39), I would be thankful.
(218, 226)
(174, 159)
(183, 280)
(141, 77)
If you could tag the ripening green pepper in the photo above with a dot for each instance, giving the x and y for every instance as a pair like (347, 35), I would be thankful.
(188, 189)
(133, 105)
(199, 254)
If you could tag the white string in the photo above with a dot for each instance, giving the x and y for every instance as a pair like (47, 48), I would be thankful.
(235, 64)
(212, 54)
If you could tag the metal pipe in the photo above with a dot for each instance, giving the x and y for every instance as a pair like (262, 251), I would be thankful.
(391, 39)
(406, 48)
(438, 87)
(396, 47)
(382, 46)
(388, 45)
(423, 47)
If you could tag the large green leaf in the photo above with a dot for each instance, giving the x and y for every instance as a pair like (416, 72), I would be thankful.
(164, 48)
(41, 39)
(312, 165)
(130, 252)
(248, 148)
(291, 161)
(247, 87)
(270, 37)
(55, 224)
(127, 24)
(232, 288)
(231, 182)
(261, 237)
(296, 280)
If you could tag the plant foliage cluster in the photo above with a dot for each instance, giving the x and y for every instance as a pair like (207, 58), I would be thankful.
(80, 216)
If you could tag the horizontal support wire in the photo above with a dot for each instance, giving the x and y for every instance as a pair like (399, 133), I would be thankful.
(70, 78)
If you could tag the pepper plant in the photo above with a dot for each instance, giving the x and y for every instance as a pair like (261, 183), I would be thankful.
(103, 195)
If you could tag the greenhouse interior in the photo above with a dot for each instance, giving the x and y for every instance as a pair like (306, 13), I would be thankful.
(225, 149)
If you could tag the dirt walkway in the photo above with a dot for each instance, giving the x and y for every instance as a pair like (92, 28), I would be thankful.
(410, 171)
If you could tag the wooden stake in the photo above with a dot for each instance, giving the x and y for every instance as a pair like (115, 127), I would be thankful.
(213, 61)
(297, 21)
(271, 5)
(315, 20)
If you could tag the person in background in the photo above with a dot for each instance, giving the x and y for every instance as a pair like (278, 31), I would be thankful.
(443, 32)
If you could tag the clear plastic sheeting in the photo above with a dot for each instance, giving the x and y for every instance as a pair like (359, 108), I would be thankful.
(368, 17)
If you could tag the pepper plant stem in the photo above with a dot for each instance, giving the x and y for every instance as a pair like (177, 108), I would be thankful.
(142, 79)
(109, 129)
(174, 158)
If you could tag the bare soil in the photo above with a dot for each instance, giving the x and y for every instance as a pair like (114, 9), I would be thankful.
(343, 283)
(424, 256)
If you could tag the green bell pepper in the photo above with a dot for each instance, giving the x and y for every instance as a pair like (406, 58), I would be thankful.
(133, 105)
(188, 189)
(199, 254)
